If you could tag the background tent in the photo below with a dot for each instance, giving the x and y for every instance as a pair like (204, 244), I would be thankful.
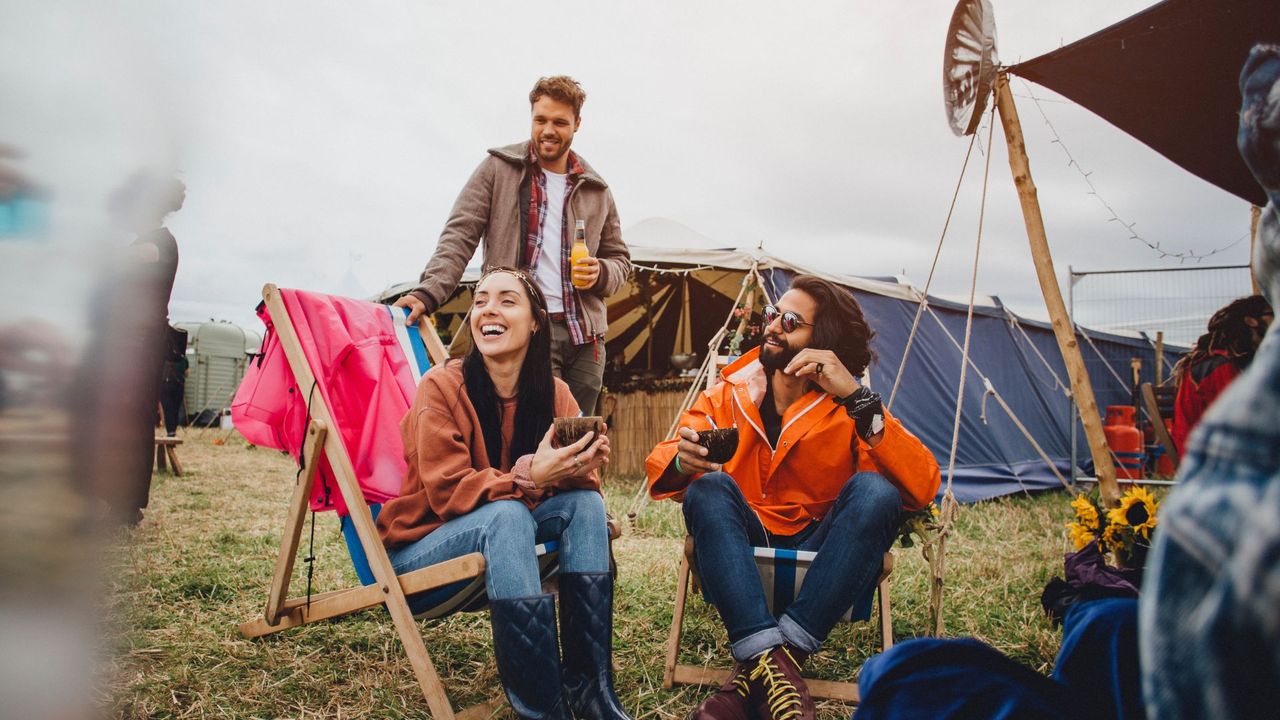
(1169, 76)
(677, 299)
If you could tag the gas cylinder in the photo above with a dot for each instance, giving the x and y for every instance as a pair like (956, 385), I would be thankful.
(1125, 440)
(1164, 463)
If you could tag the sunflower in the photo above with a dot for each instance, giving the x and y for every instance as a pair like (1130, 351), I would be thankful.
(1137, 510)
(1114, 537)
(1080, 535)
(1086, 513)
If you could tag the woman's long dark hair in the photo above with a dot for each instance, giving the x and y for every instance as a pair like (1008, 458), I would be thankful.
(535, 388)
(1227, 332)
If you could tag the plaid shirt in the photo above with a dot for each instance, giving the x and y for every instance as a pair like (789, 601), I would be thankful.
(533, 242)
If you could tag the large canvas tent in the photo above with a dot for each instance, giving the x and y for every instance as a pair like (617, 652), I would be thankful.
(678, 299)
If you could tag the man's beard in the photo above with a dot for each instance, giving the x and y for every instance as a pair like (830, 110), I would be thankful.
(559, 152)
(777, 359)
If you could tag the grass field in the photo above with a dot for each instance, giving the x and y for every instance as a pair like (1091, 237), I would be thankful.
(200, 562)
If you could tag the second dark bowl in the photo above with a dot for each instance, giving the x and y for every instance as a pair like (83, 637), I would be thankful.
(721, 444)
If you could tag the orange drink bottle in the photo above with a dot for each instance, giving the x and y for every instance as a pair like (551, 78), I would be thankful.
(580, 251)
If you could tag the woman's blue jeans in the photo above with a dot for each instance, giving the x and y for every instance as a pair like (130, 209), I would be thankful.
(505, 531)
(850, 541)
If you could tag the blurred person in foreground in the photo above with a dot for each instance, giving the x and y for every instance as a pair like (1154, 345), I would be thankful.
(820, 466)
(1218, 358)
(483, 477)
(130, 326)
(1210, 614)
(1204, 638)
(523, 202)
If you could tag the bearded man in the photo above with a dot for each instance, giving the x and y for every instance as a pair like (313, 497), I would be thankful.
(820, 466)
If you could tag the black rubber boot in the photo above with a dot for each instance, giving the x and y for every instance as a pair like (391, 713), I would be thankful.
(524, 644)
(586, 625)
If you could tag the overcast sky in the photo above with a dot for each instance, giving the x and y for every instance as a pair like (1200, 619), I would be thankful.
(323, 143)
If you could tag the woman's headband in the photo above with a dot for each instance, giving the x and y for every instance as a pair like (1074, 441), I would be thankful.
(519, 274)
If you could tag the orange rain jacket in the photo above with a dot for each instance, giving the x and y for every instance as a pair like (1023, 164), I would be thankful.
(796, 483)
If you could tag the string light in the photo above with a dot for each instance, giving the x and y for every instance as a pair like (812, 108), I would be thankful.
(1182, 256)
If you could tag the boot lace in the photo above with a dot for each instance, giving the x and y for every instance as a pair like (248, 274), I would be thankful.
(740, 684)
(781, 694)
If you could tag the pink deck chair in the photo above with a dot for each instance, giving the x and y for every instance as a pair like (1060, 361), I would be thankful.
(334, 380)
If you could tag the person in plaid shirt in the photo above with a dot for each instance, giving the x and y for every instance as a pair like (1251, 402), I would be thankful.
(523, 202)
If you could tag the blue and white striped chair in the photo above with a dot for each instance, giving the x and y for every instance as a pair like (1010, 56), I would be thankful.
(782, 574)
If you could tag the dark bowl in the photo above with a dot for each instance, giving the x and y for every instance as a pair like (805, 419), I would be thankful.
(721, 444)
(684, 361)
(571, 429)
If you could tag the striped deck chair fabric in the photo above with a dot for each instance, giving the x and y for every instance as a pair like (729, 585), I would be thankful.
(782, 574)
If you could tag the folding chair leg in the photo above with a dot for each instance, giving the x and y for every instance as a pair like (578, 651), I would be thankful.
(311, 451)
(677, 624)
(160, 465)
(886, 616)
(380, 564)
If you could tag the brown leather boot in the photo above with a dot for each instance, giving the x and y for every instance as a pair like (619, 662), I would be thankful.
(731, 701)
(776, 688)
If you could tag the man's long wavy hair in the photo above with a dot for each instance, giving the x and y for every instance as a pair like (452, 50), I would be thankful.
(1227, 332)
(535, 388)
(840, 326)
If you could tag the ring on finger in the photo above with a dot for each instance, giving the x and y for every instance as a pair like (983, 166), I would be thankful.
(818, 370)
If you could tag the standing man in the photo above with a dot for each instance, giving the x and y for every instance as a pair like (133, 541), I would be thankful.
(820, 466)
(524, 201)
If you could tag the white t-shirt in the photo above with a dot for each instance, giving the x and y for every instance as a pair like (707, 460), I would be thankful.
(548, 270)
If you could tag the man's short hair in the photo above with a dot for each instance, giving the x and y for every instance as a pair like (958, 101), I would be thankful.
(560, 88)
(840, 326)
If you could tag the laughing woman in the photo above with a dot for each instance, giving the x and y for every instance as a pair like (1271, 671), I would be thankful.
(483, 476)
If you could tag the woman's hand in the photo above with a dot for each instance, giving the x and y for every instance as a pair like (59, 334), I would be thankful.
(553, 465)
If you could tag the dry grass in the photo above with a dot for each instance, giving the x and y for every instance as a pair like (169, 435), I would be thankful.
(200, 562)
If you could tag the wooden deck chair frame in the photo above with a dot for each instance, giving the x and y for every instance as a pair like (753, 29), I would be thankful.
(1152, 406)
(675, 673)
(388, 589)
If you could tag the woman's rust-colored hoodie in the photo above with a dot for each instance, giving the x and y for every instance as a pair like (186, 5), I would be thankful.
(449, 474)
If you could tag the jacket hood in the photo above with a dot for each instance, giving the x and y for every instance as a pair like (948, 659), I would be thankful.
(518, 154)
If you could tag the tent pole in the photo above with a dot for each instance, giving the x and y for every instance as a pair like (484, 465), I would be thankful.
(1071, 401)
(1082, 391)
(1255, 215)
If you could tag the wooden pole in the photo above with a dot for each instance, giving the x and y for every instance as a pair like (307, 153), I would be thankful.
(1159, 357)
(1081, 390)
(1255, 215)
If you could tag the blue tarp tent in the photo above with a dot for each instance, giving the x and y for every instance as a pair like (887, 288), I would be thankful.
(1017, 357)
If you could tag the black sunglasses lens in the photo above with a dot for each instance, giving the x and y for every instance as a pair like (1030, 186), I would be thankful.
(790, 321)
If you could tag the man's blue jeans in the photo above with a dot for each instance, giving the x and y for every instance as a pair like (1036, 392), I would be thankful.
(506, 532)
(850, 541)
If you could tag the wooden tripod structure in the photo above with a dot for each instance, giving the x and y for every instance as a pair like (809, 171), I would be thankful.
(1063, 329)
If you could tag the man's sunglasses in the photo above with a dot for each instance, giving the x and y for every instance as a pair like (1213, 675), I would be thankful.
(790, 320)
